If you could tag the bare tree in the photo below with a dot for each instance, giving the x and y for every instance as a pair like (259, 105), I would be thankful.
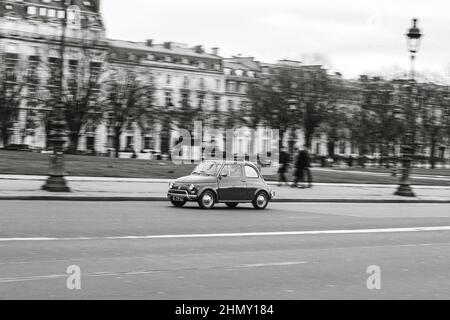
(433, 104)
(128, 98)
(12, 85)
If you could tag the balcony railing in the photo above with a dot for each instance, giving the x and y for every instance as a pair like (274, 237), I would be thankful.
(90, 41)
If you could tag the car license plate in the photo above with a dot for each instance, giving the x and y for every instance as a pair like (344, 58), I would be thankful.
(177, 199)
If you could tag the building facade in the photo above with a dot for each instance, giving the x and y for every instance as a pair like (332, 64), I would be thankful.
(35, 34)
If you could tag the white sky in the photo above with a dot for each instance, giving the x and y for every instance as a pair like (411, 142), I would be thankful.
(355, 36)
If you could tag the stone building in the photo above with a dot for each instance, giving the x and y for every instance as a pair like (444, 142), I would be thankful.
(181, 75)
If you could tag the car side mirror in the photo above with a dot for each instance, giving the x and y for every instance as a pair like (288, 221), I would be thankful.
(224, 175)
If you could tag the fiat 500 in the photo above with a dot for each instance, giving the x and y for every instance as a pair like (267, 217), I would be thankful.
(225, 182)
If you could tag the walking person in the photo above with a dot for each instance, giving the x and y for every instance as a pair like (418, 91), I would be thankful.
(298, 171)
(284, 167)
(303, 166)
(307, 166)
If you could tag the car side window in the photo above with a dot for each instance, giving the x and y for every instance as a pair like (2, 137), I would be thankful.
(251, 172)
(232, 170)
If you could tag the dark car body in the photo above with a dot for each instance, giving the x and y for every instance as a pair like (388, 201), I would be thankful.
(226, 182)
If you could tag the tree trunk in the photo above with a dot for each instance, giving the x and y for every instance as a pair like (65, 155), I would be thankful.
(117, 134)
(73, 145)
(433, 154)
(331, 147)
(165, 137)
(5, 137)
(281, 138)
(308, 137)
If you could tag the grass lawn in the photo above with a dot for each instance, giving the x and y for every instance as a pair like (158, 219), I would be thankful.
(418, 171)
(341, 176)
(28, 163)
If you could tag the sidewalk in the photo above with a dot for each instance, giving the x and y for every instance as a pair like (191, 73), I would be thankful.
(122, 189)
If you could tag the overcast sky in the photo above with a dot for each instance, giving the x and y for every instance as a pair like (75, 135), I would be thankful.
(351, 36)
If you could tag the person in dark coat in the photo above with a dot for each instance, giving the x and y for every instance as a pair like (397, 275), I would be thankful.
(302, 167)
(284, 166)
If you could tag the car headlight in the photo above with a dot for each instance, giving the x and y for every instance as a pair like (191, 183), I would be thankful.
(191, 187)
(171, 185)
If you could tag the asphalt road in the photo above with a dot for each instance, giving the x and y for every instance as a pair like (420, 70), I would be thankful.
(153, 251)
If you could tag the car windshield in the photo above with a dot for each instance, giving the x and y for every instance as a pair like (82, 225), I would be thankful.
(207, 168)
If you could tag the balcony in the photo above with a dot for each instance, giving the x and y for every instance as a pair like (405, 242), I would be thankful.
(21, 35)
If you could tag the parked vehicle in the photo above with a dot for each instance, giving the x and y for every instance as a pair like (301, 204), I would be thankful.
(225, 182)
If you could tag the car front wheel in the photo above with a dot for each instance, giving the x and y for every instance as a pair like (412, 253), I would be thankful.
(178, 204)
(207, 200)
(261, 200)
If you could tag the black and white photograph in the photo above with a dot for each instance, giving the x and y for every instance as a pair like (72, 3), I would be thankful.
(224, 150)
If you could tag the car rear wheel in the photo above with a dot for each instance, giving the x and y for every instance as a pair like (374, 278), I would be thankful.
(232, 205)
(207, 200)
(178, 204)
(261, 200)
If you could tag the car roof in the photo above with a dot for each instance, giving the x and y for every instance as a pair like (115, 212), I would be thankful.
(231, 162)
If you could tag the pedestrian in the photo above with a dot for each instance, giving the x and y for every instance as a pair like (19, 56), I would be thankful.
(302, 167)
(298, 169)
(284, 167)
(307, 168)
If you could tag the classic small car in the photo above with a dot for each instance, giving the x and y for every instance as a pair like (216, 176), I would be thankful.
(225, 182)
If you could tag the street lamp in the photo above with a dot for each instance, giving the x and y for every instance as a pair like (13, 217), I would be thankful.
(414, 37)
(56, 181)
(293, 107)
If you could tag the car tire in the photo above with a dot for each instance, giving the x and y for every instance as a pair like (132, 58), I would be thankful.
(207, 200)
(261, 200)
(232, 205)
(178, 204)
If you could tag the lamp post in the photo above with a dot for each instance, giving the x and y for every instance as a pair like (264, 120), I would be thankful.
(293, 107)
(56, 181)
(414, 37)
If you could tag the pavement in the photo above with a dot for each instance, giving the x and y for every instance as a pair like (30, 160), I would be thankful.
(141, 250)
(14, 187)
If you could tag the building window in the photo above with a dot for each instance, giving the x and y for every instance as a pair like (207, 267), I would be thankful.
(216, 103)
(168, 99)
(185, 98)
(31, 10)
(11, 61)
(186, 82)
(130, 141)
(230, 105)
(148, 143)
(201, 100)
(342, 148)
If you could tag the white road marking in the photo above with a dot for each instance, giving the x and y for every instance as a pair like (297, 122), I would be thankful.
(144, 272)
(238, 235)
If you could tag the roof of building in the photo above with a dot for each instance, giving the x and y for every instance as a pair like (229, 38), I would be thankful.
(175, 49)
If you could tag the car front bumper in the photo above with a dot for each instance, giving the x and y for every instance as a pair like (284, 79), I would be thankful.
(183, 194)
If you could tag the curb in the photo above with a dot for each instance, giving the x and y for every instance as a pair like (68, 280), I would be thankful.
(164, 199)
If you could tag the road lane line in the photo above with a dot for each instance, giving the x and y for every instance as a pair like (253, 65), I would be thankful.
(147, 272)
(237, 235)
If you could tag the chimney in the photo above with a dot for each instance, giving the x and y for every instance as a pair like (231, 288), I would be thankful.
(149, 42)
(215, 51)
(97, 6)
(198, 49)
(168, 45)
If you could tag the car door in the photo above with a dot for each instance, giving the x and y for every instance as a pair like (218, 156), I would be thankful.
(253, 181)
(232, 184)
